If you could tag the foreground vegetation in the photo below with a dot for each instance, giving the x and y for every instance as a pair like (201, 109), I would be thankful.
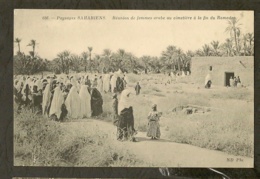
(41, 142)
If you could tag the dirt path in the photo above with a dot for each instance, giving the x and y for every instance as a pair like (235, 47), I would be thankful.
(163, 152)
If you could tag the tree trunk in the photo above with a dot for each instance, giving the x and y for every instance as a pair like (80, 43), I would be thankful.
(235, 36)
(179, 66)
(19, 47)
(62, 63)
(33, 50)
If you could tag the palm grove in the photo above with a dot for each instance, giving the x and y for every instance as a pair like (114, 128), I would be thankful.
(171, 59)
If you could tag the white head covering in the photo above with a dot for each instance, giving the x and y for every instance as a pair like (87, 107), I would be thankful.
(57, 102)
(39, 85)
(85, 101)
(124, 101)
(73, 103)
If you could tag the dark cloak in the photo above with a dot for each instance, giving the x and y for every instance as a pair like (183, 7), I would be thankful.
(126, 124)
(96, 102)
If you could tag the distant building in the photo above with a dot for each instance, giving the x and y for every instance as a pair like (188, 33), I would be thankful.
(222, 68)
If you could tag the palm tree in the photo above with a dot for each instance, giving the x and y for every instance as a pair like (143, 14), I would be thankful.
(17, 40)
(199, 53)
(233, 28)
(215, 46)
(90, 50)
(189, 53)
(121, 56)
(168, 55)
(206, 50)
(245, 37)
(250, 38)
(33, 44)
(179, 57)
(251, 41)
(145, 60)
(75, 62)
(84, 56)
(64, 58)
(228, 47)
(107, 53)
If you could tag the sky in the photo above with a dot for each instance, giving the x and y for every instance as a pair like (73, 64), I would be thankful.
(139, 36)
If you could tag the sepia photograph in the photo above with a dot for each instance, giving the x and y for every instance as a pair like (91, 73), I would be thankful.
(133, 88)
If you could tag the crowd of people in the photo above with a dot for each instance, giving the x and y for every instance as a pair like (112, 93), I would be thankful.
(59, 97)
(79, 96)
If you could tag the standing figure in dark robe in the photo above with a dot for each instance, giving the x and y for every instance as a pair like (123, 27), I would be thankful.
(137, 88)
(119, 85)
(26, 97)
(87, 82)
(18, 94)
(36, 100)
(125, 127)
(96, 102)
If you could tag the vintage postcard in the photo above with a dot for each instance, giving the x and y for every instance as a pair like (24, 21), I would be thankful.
(133, 88)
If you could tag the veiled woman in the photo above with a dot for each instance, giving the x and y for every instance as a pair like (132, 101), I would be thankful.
(46, 100)
(56, 104)
(73, 103)
(113, 83)
(18, 86)
(106, 83)
(26, 92)
(119, 85)
(85, 99)
(208, 81)
(37, 97)
(96, 102)
(125, 130)
(100, 84)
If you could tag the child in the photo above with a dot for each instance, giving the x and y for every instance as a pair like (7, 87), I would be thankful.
(153, 123)
(137, 88)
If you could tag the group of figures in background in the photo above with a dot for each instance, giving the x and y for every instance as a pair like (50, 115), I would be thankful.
(234, 81)
(78, 96)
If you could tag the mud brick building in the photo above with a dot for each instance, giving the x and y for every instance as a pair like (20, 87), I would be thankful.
(222, 68)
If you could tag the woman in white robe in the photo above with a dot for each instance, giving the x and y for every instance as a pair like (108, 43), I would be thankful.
(85, 108)
(113, 82)
(56, 103)
(208, 81)
(75, 84)
(100, 84)
(73, 103)
(46, 99)
(106, 83)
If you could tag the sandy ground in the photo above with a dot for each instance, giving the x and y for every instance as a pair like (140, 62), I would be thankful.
(163, 152)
